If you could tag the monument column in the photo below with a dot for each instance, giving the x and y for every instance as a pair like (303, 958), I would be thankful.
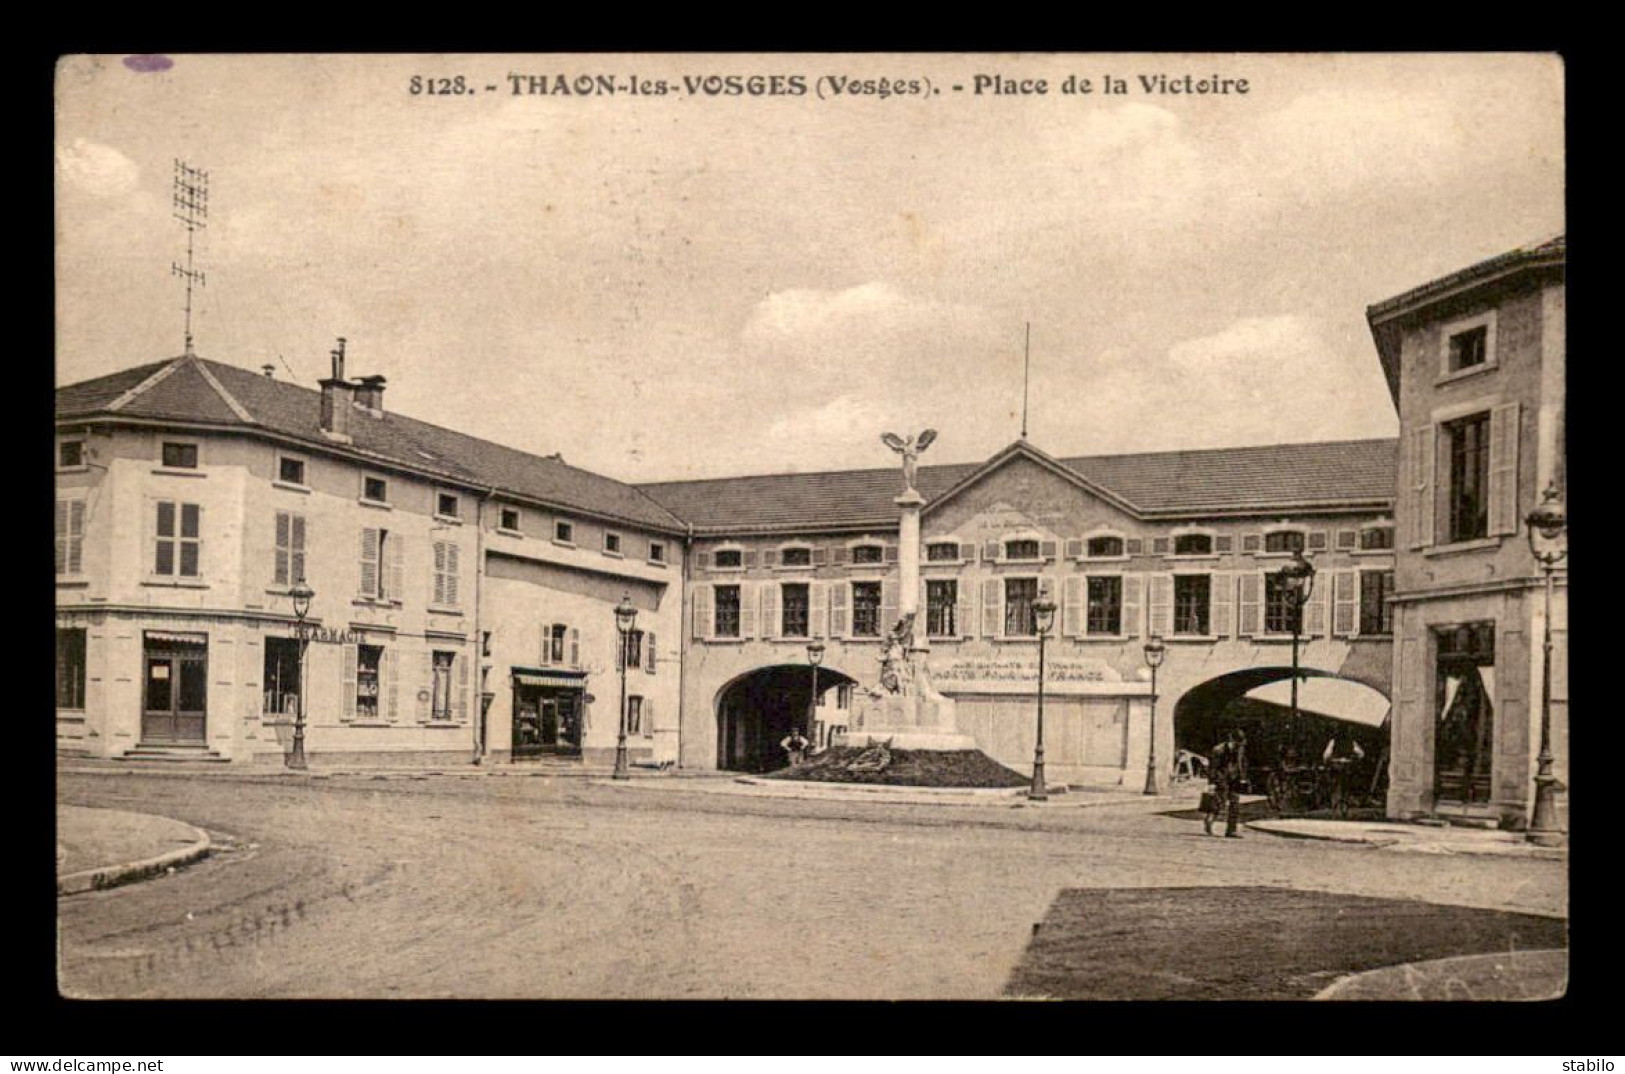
(908, 556)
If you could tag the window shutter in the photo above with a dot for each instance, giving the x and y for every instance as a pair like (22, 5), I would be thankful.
(648, 717)
(888, 603)
(425, 685)
(1133, 600)
(702, 560)
(1221, 598)
(1134, 546)
(1046, 549)
(839, 555)
(76, 535)
(545, 654)
(1421, 486)
(454, 571)
(61, 536)
(1161, 604)
(461, 706)
(1252, 542)
(393, 551)
(1159, 546)
(820, 557)
(967, 553)
(1072, 606)
(749, 559)
(575, 647)
(391, 683)
(1314, 613)
(1504, 426)
(1249, 603)
(1347, 539)
(347, 663)
(770, 609)
(839, 595)
(702, 611)
(747, 611)
(770, 557)
(1074, 548)
(649, 652)
(891, 553)
(965, 607)
(437, 593)
(284, 540)
(818, 609)
(992, 607)
(990, 551)
(1345, 601)
(369, 562)
(1317, 540)
(297, 564)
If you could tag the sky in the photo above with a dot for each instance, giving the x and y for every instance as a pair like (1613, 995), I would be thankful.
(684, 285)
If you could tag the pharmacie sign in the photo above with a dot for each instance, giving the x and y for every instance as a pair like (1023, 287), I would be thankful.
(332, 636)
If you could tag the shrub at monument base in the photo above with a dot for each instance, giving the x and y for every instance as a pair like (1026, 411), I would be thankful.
(880, 764)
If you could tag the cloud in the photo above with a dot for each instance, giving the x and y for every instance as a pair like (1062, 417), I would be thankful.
(98, 170)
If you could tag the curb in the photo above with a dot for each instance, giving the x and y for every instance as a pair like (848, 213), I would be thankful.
(1419, 843)
(883, 794)
(112, 876)
(1338, 990)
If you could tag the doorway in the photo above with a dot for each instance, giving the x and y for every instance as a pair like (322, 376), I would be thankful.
(1464, 732)
(546, 721)
(175, 693)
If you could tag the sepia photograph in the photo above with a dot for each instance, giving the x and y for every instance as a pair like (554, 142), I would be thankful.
(811, 526)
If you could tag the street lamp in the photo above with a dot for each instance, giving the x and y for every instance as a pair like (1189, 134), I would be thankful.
(1547, 525)
(815, 656)
(1043, 619)
(1297, 578)
(1155, 650)
(625, 616)
(302, 594)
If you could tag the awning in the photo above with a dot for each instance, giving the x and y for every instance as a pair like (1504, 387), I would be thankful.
(568, 679)
(176, 638)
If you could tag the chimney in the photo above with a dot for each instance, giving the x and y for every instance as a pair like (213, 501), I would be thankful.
(369, 394)
(337, 396)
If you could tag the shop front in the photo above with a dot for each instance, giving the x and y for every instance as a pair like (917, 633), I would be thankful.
(547, 712)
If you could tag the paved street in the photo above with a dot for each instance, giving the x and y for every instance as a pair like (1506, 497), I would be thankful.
(557, 887)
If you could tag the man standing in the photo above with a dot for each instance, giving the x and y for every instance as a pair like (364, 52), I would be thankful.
(1227, 768)
(795, 745)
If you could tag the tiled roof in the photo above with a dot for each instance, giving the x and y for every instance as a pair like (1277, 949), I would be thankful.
(1160, 483)
(185, 394)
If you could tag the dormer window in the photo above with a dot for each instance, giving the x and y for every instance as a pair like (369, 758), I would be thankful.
(1104, 547)
(796, 557)
(729, 559)
(867, 553)
(1021, 549)
(1193, 544)
(942, 552)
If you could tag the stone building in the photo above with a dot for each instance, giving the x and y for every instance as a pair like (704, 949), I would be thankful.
(1476, 362)
(1180, 544)
(464, 592)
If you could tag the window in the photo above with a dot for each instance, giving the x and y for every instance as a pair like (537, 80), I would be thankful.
(1469, 445)
(509, 520)
(1019, 595)
(657, 552)
(1376, 538)
(178, 456)
(281, 677)
(1021, 549)
(633, 653)
(440, 689)
(941, 606)
(1469, 348)
(381, 565)
(942, 552)
(70, 536)
(290, 548)
(1284, 542)
(447, 505)
(796, 557)
(727, 611)
(728, 558)
(70, 668)
(866, 609)
(564, 532)
(634, 715)
(553, 643)
(369, 660)
(1193, 544)
(843, 696)
(797, 603)
(612, 543)
(447, 575)
(70, 453)
(1104, 547)
(375, 490)
(1105, 614)
(867, 553)
(1279, 607)
(1191, 603)
(290, 471)
(179, 545)
(1375, 614)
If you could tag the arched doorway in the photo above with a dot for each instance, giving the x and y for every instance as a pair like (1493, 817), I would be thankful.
(758, 709)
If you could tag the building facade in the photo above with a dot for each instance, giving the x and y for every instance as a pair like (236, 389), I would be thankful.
(464, 592)
(1476, 365)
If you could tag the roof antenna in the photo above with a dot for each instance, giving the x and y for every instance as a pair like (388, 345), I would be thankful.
(191, 208)
(1026, 365)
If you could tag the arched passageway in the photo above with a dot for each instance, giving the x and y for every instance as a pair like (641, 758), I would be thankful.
(1332, 710)
(757, 710)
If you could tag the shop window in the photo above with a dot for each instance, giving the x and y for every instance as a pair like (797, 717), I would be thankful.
(866, 608)
(281, 681)
(727, 611)
(1019, 596)
(1105, 614)
(70, 668)
(796, 600)
(369, 661)
(1192, 596)
(440, 691)
(1468, 442)
(1376, 617)
(941, 606)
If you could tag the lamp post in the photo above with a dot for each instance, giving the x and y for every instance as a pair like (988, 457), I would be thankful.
(815, 656)
(302, 595)
(1155, 650)
(625, 616)
(1043, 619)
(1548, 522)
(1298, 578)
